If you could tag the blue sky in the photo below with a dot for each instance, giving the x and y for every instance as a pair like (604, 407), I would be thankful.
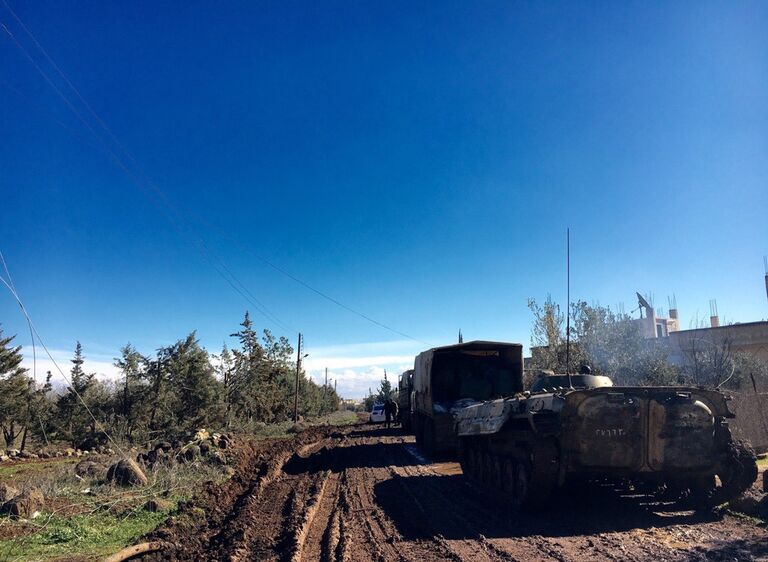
(418, 162)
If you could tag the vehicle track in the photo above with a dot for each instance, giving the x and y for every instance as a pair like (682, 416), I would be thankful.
(364, 493)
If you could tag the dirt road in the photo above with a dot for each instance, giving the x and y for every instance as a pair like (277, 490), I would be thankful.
(365, 493)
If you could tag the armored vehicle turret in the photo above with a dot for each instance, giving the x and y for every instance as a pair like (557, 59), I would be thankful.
(670, 439)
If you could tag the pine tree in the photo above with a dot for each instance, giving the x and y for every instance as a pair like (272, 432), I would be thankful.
(74, 418)
(15, 388)
(130, 404)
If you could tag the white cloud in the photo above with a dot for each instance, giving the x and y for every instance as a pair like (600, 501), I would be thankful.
(99, 364)
(358, 367)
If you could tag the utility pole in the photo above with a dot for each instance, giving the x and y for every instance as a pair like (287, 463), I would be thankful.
(325, 386)
(296, 393)
(568, 309)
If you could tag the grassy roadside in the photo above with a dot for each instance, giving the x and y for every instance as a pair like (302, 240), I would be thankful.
(88, 519)
(287, 429)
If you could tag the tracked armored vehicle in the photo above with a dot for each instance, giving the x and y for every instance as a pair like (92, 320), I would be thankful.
(668, 441)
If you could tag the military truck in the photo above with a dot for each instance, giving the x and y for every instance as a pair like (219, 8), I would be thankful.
(447, 379)
(673, 442)
(404, 390)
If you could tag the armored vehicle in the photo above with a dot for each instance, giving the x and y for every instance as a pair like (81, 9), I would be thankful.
(670, 441)
(447, 379)
(404, 390)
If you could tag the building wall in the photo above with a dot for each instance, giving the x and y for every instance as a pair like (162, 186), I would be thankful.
(751, 422)
(751, 337)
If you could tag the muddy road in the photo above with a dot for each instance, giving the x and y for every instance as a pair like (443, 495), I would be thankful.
(366, 493)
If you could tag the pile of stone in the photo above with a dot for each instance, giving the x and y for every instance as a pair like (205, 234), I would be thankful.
(199, 445)
(26, 504)
(17, 455)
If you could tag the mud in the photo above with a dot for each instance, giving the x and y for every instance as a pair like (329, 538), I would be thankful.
(366, 493)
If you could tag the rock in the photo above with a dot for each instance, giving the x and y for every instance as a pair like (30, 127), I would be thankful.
(13, 453)
(191, 452)
(748, 503)
(26, 455)
(205, 447)
(218, 457)
(298, 427)
(127, 472)
(164, 446)
(90, 469)
(201, 434)
(25, 504)
(4, 458)
(7, 492)
(155, 504)
(69, 452)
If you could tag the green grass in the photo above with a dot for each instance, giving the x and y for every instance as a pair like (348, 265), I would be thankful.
(283, 430)
(94, 534)
(11, 470)
(763, 462)
(88, 526)
(342, 417)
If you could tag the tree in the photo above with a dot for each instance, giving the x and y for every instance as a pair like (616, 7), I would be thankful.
(130, 404)
(709, 359)
(14, 391)
(195, 391)
(224, 370)
(385, 389)
(611, 344)
(548, 335)
(74, 417)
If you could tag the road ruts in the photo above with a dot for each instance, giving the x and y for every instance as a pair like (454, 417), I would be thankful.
(366, 493)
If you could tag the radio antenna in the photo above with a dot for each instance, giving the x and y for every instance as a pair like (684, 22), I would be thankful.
(568, 307)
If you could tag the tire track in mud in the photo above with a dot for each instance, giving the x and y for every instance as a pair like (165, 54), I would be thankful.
(363, 493)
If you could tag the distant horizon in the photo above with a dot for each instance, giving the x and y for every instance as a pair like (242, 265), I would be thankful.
(339, 359)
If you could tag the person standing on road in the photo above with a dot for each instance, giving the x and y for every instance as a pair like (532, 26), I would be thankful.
(390, 411)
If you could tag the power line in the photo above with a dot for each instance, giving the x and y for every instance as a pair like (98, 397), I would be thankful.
(141, 182)
(318, 291)
(61, 372)
(234, 282)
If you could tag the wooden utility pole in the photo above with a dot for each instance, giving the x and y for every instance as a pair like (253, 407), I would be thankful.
(296, 392)
(325, 386)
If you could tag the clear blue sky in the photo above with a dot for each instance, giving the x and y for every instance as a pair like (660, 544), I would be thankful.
(419, 162)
